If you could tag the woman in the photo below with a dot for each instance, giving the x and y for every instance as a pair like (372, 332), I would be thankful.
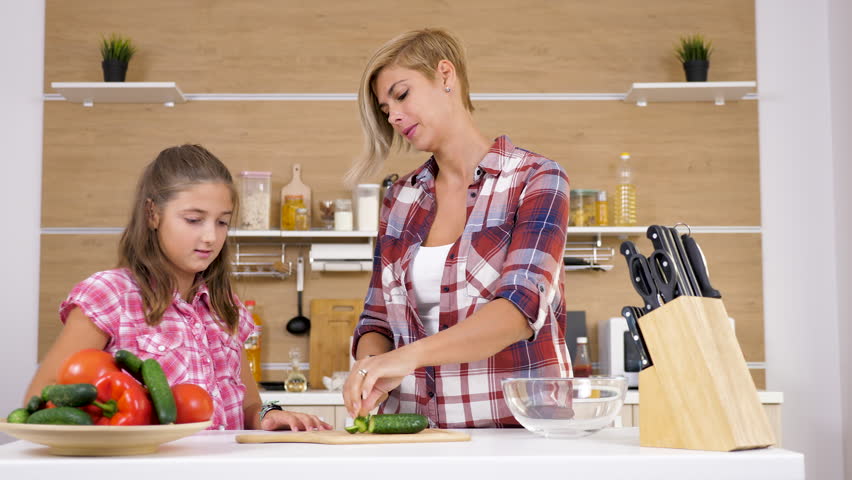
(467, 279)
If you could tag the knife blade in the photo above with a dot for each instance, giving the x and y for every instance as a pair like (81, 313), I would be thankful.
(631, 315)
(699, 267)
(688, 272)
(640, 276)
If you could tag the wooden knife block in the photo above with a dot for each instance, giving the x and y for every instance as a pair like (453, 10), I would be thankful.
(699, 394)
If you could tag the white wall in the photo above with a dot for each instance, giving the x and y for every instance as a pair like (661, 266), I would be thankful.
(840, 39)
(22, 58)
(802, 238)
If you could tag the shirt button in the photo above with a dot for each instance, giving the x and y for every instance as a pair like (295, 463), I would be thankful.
(541, 288)
(216, 393)
(431, 394)
(206, 360)
(161, 348)
(452, 256)
(443, 327)
(446, 289)
(221, 427)
(472, 194)
(197, 325)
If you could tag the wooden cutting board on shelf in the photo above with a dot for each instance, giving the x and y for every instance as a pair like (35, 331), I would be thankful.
(339, 437)
(297, 187)
(332, 323)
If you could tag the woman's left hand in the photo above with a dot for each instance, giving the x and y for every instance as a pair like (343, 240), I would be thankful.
(372, 378)
(295, 421)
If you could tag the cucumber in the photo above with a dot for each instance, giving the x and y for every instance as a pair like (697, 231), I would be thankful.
(397, 423)
(71, 395)
(350, 428)
(161, 394)
(130, 362)
(35, 404)
(60, 416)
(361, 423)
(18, 415)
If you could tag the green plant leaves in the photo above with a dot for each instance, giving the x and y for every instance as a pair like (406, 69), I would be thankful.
(117, 47)
(693, 47)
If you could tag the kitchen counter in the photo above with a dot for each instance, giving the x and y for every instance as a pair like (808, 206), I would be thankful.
(491, 453)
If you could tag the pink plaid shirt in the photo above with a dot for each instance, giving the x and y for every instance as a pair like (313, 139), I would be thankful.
(188, 343)
(512, 247)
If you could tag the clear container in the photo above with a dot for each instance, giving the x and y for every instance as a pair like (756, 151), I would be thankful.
(366, 199)
(296, 380)
(589, 211)
(624, 203)
(602, 209)
(575, 216)
(326, 208)
(343, 215)
(255, 200)
(582, 212)
(300, 219)
(252, 345)
(288, 211)
(582, 363)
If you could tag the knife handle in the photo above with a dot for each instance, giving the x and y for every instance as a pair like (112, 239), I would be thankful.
(699, 266)
(640, 275)
(631, 315)
(656, 234)
(663, 272)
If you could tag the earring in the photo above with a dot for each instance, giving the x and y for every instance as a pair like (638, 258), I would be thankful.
(447, 89)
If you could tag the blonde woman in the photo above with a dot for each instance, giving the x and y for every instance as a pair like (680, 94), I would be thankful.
(467, 280)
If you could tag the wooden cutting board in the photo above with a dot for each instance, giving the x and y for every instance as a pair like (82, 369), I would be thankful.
(332, 323)
(297, 187)
(339, 437)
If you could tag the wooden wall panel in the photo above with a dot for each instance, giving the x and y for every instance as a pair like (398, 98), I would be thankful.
(295, 46)
(92, 157)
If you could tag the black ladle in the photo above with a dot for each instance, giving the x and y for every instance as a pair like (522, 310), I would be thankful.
(300, 324)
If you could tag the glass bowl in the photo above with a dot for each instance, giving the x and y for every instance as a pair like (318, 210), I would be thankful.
(565, 407)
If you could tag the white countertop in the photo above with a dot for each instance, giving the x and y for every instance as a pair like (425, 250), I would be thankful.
(491, 453)
(325, 397)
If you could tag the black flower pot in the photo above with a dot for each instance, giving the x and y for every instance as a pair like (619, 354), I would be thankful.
(114, 70)
(696, 70)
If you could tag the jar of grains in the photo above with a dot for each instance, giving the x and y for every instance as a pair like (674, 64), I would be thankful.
(255, 200)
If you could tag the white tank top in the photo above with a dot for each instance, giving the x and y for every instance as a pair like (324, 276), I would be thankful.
(427, 268)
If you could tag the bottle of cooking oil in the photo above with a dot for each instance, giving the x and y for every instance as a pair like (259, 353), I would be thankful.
(624, 203)
(296, 381)
(252, 344)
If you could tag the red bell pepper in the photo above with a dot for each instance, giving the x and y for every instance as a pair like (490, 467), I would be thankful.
(123, 400)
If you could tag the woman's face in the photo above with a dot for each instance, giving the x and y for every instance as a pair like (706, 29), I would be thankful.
(418, 108)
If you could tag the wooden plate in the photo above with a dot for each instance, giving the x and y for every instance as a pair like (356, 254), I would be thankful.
(100, 440)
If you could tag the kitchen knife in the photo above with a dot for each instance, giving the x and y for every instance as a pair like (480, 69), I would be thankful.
(699, 267)
(687, 266)
(640, 276)
(631, 315)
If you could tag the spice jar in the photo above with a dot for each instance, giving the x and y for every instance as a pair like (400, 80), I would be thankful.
(367, 205)
(590, 198)
(576, 216)
(601, 210)
(288, 211)
(300, 219)
(255, 200)
(343, 215)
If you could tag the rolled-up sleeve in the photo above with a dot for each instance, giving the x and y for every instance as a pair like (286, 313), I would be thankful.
(531, 273)
(374, 316)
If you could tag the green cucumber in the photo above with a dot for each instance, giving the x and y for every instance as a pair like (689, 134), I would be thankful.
(18, 415)
(71, 395)
(361, 423)
(160, 391)
(397, 423)
(35, 404)
(130, 362)
(60, 416)
(350, 428)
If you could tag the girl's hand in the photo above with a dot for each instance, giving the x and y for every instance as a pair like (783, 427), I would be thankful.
(295, 421)
(372, 378)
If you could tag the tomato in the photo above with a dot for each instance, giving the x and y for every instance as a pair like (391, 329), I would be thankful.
(86, 366)
(194, 404)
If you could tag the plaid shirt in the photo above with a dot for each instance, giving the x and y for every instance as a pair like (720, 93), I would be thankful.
(188, 342)
(511, 247)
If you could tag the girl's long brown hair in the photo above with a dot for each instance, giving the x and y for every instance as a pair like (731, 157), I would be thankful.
(174, 170)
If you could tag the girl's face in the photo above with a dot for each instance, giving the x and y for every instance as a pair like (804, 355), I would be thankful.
(418, 108)
(192, 228)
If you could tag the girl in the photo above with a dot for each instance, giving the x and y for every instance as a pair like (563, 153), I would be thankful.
(171, 297)
(467, 278)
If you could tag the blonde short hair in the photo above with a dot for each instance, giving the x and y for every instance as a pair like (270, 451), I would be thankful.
(418, 50)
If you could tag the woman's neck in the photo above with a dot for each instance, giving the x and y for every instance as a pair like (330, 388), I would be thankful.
(461, 151)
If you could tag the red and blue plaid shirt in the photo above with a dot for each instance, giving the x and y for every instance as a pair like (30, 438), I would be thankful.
(512, 247)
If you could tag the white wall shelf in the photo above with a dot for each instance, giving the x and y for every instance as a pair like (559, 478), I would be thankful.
(717, 92)
(90, 93)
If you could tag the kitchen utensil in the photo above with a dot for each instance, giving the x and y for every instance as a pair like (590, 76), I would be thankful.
(631, 315)
(662, 240)
(339, 437)
(640, 275)
(333, 324)
(565, 407)
(297, 187)
(101, 440)
(699, 267)
(662, 271)
(299, 324)
(688, 271)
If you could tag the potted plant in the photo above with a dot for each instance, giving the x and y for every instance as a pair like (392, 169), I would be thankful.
(694, 52)
(116, 52)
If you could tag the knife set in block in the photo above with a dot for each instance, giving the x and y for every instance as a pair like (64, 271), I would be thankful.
(698, 394)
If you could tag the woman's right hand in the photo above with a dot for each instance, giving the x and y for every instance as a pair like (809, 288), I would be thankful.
(371, 379)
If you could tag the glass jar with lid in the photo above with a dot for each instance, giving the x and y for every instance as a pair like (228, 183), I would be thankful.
(255, 200)
(288, 211)
(343, 214)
